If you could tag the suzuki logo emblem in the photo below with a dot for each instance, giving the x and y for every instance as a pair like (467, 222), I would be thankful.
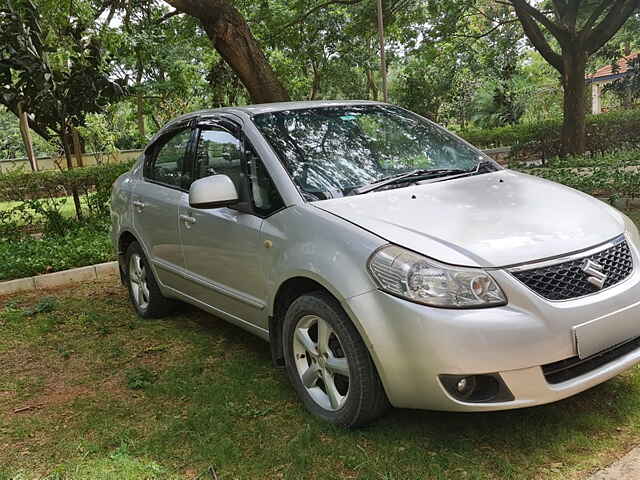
(595, 274)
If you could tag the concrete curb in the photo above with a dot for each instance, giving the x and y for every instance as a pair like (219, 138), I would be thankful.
(59, 279)
(626, 468)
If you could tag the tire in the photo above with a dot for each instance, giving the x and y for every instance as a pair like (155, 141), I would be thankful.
(144, 293)
(335, 378)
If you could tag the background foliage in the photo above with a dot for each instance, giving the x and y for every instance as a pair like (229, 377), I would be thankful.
(117, 71)
(468, 67)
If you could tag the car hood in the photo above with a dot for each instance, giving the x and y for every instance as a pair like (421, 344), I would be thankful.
(490, 220)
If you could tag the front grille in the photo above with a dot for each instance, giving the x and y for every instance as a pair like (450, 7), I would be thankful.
(566, 280)
(573, 367)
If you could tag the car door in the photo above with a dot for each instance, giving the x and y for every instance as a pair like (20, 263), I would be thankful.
(156, 200)
(222, 246)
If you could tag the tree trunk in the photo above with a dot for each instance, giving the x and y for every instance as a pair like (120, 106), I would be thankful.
(140, 95)
(140, 114)
(573, 80)
(231, 37)
(383, 60)
(372, 89)
(66, 145)
(77, 147)
(315, 82)
(26, 138)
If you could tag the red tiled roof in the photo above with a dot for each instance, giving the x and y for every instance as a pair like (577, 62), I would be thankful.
(608, 70)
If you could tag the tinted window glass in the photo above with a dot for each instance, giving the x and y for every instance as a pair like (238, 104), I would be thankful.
(329, 151)
(168, 164)
(219, 153)
(266, 198)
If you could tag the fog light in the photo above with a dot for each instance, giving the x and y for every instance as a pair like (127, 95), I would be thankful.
(462, 385)
(477, 388)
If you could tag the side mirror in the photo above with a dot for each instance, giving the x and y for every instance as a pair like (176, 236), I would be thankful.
(213, 192)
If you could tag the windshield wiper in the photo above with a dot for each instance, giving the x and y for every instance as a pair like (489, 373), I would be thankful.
(422, 174)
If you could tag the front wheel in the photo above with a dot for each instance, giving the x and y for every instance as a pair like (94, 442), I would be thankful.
(328, 363)
(144, 292)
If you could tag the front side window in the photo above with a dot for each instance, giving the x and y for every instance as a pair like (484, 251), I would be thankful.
(167, 163)
(332, 151)
(265, 195)
(220, 153)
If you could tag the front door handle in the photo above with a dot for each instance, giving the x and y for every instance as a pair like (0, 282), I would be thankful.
(139, 205)
(188, 221)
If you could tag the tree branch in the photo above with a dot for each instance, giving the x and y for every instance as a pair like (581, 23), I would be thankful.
(554, 29)
(536, 36)
(169, 15)
(320, 6)
(610, 24)
(597, 12)
(488, 32)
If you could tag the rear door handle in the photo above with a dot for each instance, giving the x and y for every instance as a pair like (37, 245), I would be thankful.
(139, 205)
(188, 221)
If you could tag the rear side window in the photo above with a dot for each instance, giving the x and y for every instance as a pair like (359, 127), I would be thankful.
(167, 163)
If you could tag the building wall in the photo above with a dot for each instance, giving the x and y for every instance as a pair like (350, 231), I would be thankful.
(56, 163)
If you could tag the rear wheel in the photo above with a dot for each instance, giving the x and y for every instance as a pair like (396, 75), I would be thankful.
(144, 293)
(329, 364)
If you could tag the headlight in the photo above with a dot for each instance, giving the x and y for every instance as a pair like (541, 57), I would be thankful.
(419, 279)
(632, 231)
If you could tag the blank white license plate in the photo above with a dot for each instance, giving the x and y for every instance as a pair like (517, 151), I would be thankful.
(605, 332)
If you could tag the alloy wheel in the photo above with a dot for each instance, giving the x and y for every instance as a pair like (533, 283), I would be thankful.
(321, 362)
(138, 281)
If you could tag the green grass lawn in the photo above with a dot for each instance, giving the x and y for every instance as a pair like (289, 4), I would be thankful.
(89, 391)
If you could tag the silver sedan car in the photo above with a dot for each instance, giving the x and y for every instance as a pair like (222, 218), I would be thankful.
(387, 261)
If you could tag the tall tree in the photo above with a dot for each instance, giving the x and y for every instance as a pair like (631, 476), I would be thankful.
(54, 70)
(232, 38)
(565, 32)
(579, 28)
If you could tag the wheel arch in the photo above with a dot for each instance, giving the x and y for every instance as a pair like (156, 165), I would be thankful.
(125, 238)
(293, 287)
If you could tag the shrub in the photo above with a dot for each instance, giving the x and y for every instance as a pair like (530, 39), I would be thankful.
(83, 244)
(614, 175)
(30, 185)
(41, 197)
(607, 132)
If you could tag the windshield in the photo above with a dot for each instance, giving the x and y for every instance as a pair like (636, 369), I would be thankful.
(331, 151)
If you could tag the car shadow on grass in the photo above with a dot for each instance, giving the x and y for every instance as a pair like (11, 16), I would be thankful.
(555, 439)
(183, 393)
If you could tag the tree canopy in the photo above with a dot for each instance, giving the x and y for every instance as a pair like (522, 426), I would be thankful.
(133, 65)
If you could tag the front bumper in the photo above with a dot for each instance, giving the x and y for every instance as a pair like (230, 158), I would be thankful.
(412, 344)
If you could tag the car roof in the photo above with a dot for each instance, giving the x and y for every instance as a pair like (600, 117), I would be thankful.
(272, 107)
(257, 109)
(280, 106)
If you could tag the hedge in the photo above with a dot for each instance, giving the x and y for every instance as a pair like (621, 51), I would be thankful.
(42, 195)
(613, 175)
(20, 185)
(607, 132)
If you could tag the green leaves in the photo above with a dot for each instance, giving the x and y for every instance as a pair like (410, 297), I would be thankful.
(139, 378)
(605, 133)
(81, 245)
(614, 176)
(66, 243)
(53, 65)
